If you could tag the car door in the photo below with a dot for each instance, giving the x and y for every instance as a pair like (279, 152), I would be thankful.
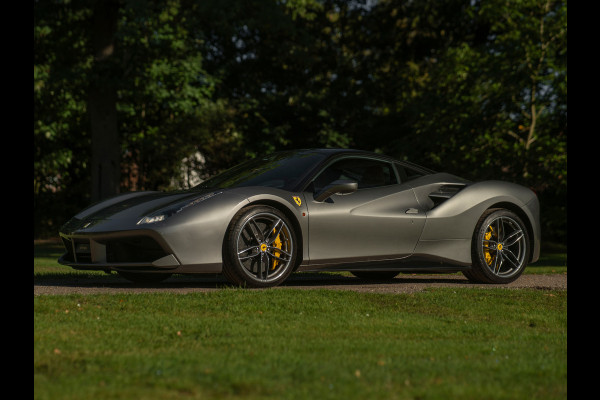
(380, 220)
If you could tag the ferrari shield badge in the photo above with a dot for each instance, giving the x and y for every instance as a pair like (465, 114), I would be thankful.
(297, 200)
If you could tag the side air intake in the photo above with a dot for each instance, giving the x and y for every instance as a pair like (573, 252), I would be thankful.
(444, 193)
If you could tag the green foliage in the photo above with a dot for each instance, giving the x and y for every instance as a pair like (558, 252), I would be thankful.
(475, 88)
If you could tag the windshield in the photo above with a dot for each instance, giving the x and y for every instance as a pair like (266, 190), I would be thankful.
(283, 170)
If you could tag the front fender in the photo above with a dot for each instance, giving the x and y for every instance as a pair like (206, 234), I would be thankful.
(293, 204)
(196, 235)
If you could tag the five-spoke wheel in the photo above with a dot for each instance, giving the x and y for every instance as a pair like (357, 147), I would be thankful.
(500, 249)
(260, 249)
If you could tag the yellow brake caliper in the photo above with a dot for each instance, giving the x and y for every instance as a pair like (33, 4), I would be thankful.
(276, 243)
(486, 252)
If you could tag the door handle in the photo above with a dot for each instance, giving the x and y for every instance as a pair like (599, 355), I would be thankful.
(412, 211)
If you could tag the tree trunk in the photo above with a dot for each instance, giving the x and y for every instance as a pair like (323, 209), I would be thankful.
(106, 153)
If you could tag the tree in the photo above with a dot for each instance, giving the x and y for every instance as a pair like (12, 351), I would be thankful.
(490, 101)
(117, 84)
(61, 127)
(470, 87)
(102, 103)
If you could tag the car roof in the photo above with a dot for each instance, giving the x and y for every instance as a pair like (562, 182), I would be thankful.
(331, 152)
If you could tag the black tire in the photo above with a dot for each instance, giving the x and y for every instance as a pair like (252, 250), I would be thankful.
(500, 248)
(375, 275)
(259, 248)
(141, 277)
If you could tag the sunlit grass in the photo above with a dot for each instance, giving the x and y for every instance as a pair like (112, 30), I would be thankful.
(285, 343)
(297, 344)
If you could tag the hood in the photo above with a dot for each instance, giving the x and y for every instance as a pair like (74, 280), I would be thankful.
(131, 207)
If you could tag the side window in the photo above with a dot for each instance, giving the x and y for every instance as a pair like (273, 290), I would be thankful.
(368, 173)
(407, 173)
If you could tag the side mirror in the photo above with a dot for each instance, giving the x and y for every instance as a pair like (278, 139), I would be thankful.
(336, 187)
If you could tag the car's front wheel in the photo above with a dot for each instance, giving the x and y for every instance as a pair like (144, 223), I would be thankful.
(500, 248)
(260, 248)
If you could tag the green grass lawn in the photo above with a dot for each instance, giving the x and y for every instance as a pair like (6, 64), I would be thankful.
(298, 344)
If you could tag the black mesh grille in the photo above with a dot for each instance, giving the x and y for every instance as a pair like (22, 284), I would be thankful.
(83, 252)
(133, 250)
(69, 249)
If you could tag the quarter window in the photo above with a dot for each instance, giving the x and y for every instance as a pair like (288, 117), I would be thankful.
(407, 173)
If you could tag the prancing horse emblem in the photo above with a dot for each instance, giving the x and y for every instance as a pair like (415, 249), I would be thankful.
(297, 200)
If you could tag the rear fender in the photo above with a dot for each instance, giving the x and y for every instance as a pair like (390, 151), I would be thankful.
(449, 227)
(456, 218)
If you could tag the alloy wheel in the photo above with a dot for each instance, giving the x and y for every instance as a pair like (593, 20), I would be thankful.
(504, 247)
(264, 247)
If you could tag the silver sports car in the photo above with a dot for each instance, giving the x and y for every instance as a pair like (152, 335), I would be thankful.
(316, 209)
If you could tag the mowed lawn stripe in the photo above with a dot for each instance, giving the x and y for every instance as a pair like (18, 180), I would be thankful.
(289, 344)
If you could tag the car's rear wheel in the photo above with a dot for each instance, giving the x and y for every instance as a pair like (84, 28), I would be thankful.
(260, 248)
(500, 248)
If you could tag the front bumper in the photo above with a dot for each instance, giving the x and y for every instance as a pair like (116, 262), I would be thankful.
(134, 250)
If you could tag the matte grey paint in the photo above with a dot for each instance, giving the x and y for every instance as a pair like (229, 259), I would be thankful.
(389, 227)
(373, 219)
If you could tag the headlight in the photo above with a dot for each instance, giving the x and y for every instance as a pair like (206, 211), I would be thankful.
(163, 214)
(149, 220)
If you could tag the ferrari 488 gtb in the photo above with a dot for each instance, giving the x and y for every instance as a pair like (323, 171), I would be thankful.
(316, 209)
